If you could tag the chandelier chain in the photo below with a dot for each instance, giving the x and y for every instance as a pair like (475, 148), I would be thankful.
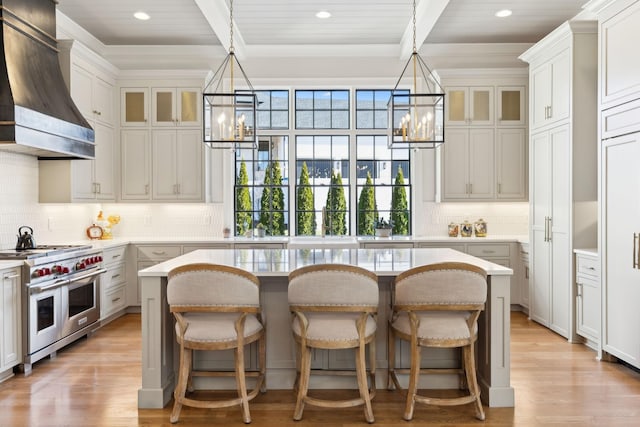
(414, 26)
(231, 49)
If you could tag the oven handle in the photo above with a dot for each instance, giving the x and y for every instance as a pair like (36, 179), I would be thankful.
(39, 289)
(86, 276)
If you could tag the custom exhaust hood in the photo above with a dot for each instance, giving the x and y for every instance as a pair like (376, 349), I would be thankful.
(37, 115)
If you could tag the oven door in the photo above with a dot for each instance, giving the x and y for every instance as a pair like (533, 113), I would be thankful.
(81, 302)
(45, 316)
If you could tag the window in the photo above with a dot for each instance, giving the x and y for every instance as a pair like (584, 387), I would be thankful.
(262, 187)
(326, 159)
(273, 109)
(322, 109)
(371, 109)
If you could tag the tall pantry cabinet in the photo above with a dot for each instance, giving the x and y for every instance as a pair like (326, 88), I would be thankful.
(619, 97)
(562, 156)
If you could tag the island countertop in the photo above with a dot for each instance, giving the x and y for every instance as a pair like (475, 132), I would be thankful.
(279, 262)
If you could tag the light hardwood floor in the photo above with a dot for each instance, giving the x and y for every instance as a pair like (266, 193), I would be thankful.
(94, 382)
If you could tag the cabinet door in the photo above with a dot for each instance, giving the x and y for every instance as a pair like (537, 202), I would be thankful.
(559, 223)
(163, 107)
(510, 164)
(104, 163)
(134, 106)
(481, 164)
(540, 198)
(560, 87)
(135, 164)
(189, 106)
(103, 101)
(510, 106)
(620, 216)
(455, 164)
(10, 322)
(457, 106)
(541, 95)
(588, 308)
(163, 153)
(481, 105)
(189, 165)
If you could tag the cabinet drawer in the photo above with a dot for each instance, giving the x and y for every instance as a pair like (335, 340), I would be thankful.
(483, 250)
(588, 266)
(114, 300)
(190, 248)
(114, 255)
(113, 277)
(621, 120)
(159, 252)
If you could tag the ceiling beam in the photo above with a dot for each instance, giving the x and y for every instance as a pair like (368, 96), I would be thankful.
(427, 14)
(216, 13)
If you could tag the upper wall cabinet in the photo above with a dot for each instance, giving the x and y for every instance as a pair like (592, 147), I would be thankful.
(550, 89)
(469, 105)
(134, 106)
(619, 66)
(510, 107)
(175, 106)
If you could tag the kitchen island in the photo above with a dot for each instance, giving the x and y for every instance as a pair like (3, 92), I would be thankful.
(272, 266)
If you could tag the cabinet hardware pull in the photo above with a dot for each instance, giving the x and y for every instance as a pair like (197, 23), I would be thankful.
(146, 189)
(526, 272)
(591, 268)
(158, 252)
(115, 299)
(99, 188)
(116, 256)
(635, 264)
(488, 252)
(499, 188)
(13, 276)
(470, 188)
(115, 276)
(579, 294)
(549, 228)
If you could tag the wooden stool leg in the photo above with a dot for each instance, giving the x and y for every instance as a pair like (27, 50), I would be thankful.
(183, 377)
(391, 356)
(303, 386)
(262, 349)
(361, 372)
(472, 382)
(413, 380)
(372, 367)
(242, 384)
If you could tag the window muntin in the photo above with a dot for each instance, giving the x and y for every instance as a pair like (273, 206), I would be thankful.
(322, 109)
(273, 109)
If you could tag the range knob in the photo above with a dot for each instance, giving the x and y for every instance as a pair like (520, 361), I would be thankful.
(80, 265)
(65, 270)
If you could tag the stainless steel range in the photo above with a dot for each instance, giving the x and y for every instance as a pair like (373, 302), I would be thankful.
(60, 297)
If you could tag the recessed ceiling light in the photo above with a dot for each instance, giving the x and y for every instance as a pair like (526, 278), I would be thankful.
(141, 16)
(503, 13)
(323, 14)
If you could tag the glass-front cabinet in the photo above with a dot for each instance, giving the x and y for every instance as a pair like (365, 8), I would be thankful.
(469, 105)
(175, 107)
(510, 106)
(135, 106)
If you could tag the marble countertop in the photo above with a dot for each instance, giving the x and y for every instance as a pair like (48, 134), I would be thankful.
(587, 251)
(279, 262)
(11, 263)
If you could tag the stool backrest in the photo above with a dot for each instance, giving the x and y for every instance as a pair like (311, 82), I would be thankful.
(204, 284)
(333, 285)
(450, 283)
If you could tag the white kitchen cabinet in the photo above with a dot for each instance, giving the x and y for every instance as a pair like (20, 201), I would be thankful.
(551, 251)
(588, 299)
(469, 105)
(176, 107)
(113, 284)
(134, 106)
(10, 322)
(146, 256)
(511, 155)
(619, 67)
(524, 276)
(510, 106)
(177, 165)
(135, 162)
(620, 228)
(468, 164)
(91, 83)
(563, 164)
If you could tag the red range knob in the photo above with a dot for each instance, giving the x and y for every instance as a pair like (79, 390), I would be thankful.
(100, 258)
(65, 270)
(47, 271)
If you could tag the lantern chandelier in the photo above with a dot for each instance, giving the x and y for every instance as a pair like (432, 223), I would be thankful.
(229, 111)
(416, 119)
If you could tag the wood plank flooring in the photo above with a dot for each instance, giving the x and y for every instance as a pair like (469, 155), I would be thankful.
(94, 382)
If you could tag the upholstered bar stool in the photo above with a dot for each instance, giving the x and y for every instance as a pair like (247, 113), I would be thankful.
(438, 306)
(216, 307)
(334, 306)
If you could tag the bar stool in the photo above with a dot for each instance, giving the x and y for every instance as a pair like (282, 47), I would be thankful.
(216, 307)
(334, 306)
(437, 306)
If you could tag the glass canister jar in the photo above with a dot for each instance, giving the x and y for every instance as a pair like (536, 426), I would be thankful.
(454, 229)
(466, 229)
(480, 227)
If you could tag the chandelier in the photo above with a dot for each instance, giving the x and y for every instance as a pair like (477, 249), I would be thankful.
(229, 110)
(416, 118)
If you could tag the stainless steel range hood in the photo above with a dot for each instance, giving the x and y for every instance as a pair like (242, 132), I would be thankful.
(37, 114)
